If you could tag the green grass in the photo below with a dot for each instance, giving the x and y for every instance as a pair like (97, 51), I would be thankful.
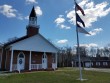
(62, 75)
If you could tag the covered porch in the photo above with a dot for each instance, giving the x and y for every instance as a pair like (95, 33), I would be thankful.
(32, 60)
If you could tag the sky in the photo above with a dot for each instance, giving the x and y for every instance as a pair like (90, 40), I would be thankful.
(57, 20)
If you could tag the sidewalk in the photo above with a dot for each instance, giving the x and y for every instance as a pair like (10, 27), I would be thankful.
(98, 69)
(5, 73)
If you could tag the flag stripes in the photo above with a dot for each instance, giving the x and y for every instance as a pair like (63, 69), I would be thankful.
(78, 19)
(81, 30)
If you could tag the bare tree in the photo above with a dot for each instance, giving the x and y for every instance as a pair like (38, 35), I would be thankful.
(12, 39)
(65, 57)
(93, 52)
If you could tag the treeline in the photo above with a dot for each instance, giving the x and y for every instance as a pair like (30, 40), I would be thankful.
(67, 54)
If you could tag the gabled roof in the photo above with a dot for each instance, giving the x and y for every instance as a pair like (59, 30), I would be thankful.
(33, 43)
(48, 41)
(33, 13)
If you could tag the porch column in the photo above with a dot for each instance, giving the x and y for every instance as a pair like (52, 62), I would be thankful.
(1, 59)
(75, 63)
(90, 64)
(56, 59)
(11, 62)
(30, 61)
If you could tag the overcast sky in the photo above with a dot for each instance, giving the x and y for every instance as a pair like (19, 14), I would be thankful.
(57, 20)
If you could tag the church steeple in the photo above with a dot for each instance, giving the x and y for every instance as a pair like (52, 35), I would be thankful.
(33, 17)
(33, 13)
(32, 28)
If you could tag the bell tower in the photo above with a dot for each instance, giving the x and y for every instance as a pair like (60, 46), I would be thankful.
(33, 18)
(32, 28)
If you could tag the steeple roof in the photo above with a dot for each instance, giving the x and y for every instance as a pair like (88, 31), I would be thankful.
(33, 13)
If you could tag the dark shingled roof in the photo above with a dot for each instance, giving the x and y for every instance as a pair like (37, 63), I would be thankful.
(14, 41)
(33, 13)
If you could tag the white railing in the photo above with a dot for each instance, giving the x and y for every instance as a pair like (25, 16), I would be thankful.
(36, 66)
(14, 67)
(54, 65)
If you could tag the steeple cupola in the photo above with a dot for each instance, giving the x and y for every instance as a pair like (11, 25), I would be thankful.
(32, 28)
(33, 18)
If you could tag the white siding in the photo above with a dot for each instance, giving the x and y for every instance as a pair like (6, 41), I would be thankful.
(34, 43)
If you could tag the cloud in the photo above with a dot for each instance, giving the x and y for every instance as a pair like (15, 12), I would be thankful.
(62, 41)
(93, 45)
(89, 45)
(20, 16)
(92, 11)
(71, 16)
(60, 22)
(26, 17)
(31, 1)
(95, 31)
(8, 11)
(38, 11)
(64, 27)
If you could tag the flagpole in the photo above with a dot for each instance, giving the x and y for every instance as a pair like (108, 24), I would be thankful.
(78, 50)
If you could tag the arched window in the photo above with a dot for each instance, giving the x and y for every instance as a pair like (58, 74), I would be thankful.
(21, 55)
(32, 21)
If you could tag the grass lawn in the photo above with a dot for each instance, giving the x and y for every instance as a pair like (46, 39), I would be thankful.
(62, 75)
